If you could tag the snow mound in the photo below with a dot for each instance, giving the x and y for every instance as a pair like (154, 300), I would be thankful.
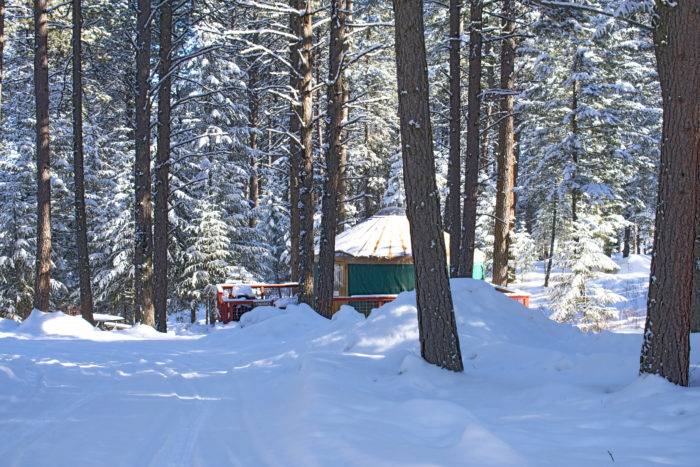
(484, 317)
(56, 323)
(634, 264)
(259, 314)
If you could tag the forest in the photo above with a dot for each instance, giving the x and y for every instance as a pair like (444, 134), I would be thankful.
(482, 221)
(152, 151)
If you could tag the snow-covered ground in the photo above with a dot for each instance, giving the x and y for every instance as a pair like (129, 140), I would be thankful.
(293, 389)
(631, 282)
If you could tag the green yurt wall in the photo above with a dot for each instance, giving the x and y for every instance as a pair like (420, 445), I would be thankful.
(381, 279)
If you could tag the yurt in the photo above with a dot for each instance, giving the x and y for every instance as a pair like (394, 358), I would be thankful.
(374, 257)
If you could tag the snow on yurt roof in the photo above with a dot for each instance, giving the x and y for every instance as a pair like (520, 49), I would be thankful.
(384, 235)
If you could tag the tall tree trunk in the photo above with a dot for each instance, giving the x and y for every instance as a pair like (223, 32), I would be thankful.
(306, 174)
(2, 54)
(574, 150)
(143, 251)
(343, 153)
(454, 170)
(436, 319)
(294, 143)
(695, 306)
(42, 281)
(666, 347)
(79, 168)
(471, 178)
(627, 243)
(254, 123)
(552, 239)
(336, 115)
(161, 226)
(505, 199)
(487, 166)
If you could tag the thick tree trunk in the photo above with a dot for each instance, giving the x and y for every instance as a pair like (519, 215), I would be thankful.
(143, 251)
(505, 198)
(79, 169)
(695, 307)
(666, 346)
(436, 319)
(306, 174)
(42, 280)
(254, 123)
(454, 170)
(294, 146)
(552, 239)
(161, 226)
(336, 115)
(471, 178)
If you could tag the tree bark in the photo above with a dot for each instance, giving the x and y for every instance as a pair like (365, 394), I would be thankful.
(454, 169)
(306, 174)
(436, 319)
(42, 281)
(574, 150)
(2, 54)
(254, 123)
(666, 347)
(695, 306)
(552, 239)
(294, 147)
(161, 225)
(505, 199)
(471, 178)
(143, 251)
(343, 153)
(84, 275)
(627, 243)
(336, 115)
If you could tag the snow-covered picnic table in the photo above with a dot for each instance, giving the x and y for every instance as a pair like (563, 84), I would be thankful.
(109, 322)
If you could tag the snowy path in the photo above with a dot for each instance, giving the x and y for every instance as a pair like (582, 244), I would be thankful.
(296, 390)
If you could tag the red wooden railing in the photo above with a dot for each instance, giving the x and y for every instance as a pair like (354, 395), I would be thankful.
(232, 308)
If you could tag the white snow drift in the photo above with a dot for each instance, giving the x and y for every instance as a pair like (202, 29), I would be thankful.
(290, 388)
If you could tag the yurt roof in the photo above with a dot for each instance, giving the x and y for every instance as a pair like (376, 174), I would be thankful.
(386, 235)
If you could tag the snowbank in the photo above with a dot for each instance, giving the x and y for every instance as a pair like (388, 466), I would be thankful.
(40, 324)
(292, 388)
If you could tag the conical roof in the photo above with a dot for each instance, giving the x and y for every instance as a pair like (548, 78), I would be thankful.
(385, 235)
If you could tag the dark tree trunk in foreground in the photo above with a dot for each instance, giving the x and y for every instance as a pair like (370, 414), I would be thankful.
(471, 177)
(79, 169)
(42, 278)
(160, 226)
(627, 242)
(294, 148)
(505, 199)
(336, 115)
(306, 173)
(436, 319)
(143, 250)
(552, 239)
(454, 179)
(695, 307)
(666, 347)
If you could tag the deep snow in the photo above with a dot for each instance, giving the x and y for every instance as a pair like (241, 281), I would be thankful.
(293, 389)
(631, 283)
